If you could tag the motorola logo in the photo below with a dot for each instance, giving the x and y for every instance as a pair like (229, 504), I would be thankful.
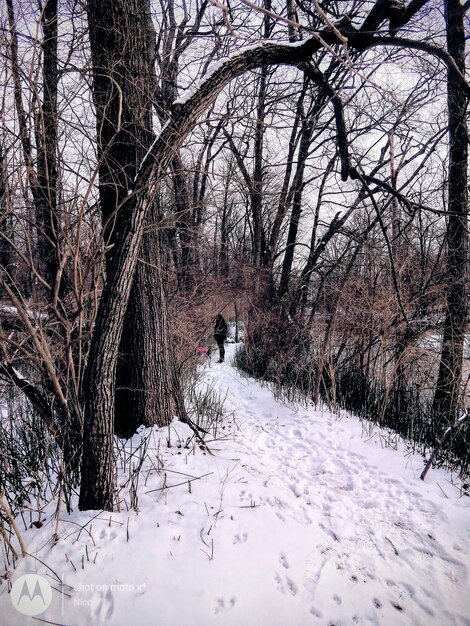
(31, 594)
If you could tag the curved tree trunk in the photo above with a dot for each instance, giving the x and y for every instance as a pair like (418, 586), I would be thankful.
(97, 488)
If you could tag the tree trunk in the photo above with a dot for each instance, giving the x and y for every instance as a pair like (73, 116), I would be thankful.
(256, 193)
(298, 186)
(48, 222)
(43, 180)
(447, 396)
(147, 387)
(122, 89)
(6, 252)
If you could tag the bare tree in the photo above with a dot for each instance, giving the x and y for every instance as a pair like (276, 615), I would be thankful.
(324, 216)
(100, 376)
(123, 90)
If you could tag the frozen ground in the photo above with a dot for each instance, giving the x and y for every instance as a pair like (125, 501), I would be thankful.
(298, 519)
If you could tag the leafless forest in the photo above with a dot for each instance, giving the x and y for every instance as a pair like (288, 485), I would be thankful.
(301, 166)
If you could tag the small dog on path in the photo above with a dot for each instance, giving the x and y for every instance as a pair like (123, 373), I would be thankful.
(204, 354)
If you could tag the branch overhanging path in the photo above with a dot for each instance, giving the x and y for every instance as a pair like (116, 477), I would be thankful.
(101, 368)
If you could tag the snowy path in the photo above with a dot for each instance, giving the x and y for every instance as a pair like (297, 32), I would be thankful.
(379, 546)
(299, 521)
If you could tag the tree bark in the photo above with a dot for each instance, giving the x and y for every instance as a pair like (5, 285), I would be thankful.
(43, 179)
(298, 185)
(123, 90)
(447, 397)
(147, 386)
(48, 222)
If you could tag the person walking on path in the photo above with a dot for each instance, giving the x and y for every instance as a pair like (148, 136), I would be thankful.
(220, 335)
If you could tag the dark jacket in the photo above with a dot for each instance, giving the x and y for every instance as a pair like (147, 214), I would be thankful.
(220, 329)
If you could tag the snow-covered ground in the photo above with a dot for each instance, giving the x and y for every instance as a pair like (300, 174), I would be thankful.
(297, 519)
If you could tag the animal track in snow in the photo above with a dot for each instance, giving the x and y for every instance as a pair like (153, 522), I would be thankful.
(288, 586)
(103, 603)
(315, 612)
(222, 605)
(105, 533)
(291, 586)
(295, 490)
(283, 560)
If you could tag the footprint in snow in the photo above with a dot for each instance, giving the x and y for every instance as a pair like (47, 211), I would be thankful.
(283, 560)
(288, 586)
(103, 603)
(454, 570)
(295, 490)
(240, 538)
(315, 612)
(108, 534)
(222, 605)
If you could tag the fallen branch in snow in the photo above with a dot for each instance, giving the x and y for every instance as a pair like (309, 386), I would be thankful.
(443, 492)
(394, 549)
(179, 484)
(211, 555)
(196, 430)
(443, 440)
(56, 575)
(194, 427)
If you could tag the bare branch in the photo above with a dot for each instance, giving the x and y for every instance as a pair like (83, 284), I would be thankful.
(440, 53)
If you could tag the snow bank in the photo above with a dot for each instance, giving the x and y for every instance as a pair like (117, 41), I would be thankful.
(295, 519)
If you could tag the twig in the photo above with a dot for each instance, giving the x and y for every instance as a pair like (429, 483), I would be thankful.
(4, 534)
(442, 490)
(394, 549)
(248, 506)
(45, 621)
(442, 441)
(59, 579)
(11, 519)
(178, 484)
(211, 555)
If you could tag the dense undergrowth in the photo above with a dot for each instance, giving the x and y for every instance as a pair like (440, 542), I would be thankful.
(294, 374)
(31, 461)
